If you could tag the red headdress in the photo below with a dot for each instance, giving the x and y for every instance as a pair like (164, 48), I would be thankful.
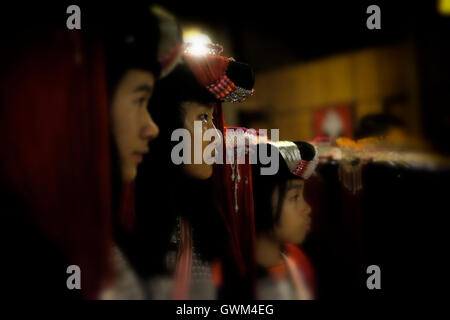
(230, 81)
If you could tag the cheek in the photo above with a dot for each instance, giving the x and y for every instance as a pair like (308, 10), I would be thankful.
(192, 138)
(304, 207)
(189, 121)
(204, 144)
(292, 218)
(198, 171)
(124, 124)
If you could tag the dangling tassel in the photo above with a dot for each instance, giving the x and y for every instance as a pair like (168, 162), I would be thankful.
(350, 174)
(184, 263)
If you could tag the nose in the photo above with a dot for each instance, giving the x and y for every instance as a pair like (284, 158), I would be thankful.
(150, 129)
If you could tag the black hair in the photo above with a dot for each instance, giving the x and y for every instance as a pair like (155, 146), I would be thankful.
(267, 214)
(135, 36)
(163, 191)
(131, 38)
(131, 42)
(178, 87)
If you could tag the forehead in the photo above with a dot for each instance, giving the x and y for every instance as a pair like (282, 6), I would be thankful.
(194, 106)
(135, 77)
(293, 184)
(197, 104)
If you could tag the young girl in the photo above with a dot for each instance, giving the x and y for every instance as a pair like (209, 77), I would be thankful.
(178, 233)
(282, 221)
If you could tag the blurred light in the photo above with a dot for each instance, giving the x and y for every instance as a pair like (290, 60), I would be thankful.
(444, 7)
(197, 41)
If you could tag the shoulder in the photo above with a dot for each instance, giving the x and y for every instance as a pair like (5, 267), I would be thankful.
(301, 259)
(126, 285)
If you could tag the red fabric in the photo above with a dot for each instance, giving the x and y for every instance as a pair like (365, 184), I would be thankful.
(217, 273)
(279, 271)
(300, 259)
(239, 225)
(234, 198)
(303, 263)
(127, 213)
(207, 70)
(55, 144)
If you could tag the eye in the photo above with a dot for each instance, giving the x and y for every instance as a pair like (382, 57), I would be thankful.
(204, 117)
(141, 101)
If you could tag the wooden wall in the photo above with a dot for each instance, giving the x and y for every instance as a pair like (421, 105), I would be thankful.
(371, 80)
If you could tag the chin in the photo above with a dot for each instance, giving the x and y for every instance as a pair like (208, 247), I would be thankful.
(129, 175)
(299, 239)
(303, 238)
(207, 174)
(199, 172)
(202, 175)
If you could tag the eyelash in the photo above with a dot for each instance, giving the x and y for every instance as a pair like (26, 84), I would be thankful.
(296, 196)
(204, 117)
(140, 101)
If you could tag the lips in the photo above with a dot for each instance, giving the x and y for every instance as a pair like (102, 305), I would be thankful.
(138, 156)
(308, 223)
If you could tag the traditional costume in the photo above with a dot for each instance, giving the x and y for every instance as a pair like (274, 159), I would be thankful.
(293, 278)
(177, 239)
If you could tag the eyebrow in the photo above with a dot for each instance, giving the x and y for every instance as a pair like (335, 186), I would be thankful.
(295, 186)
(144, 87)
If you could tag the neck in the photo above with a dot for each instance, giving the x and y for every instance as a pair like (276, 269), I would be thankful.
(267, 252)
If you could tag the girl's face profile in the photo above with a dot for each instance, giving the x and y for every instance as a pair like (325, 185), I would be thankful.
(193, 111)
(295, 219)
